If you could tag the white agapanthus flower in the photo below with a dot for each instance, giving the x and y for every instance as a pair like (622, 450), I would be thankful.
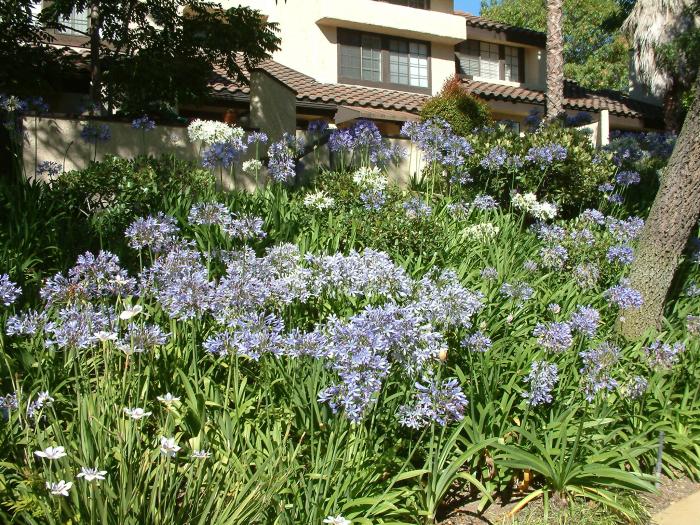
(200, 454)
(103, 336)
(370, 179)
(529, 203)
(91, 474)
(319, 200)
(51, 453)
(251, 167)
(212, 131)
(337, 520)
(59, 489)
(136, 413)
(131, 312)
(168, 446)
(482, 232)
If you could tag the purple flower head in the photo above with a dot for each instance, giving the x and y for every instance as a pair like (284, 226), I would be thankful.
(93, 133)
(530, 266)
(282, 158)
(484, 202)
(29, 322)
(210, 214)
(582, 237)
(489, 273)
(223, 154)
(257, 137)
(616, 198)
(157, 232)
(598, 365)
(549, 234)
(620, 254)
(634, 388)
(373, 200)
(627, 178)
(623, 296)
(606, 187)
(476, 342)
(593, 216)
(542, 379)
(417, 208)
(37, 104)
(49, 169)
(518, 291)
(9, 291)
(495, 158)
(439, 402)
(144, 123)
(554, 257)
(555, 308)
(546, 155)
(625, 230)
(554, 337)
(143, 337)
(317, 127)
(587, 275)
(585, 320)
(434, 137)
(662, 355)
(75, 326)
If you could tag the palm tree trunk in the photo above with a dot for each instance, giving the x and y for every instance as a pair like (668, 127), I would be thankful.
(555, 60)
(673, 215)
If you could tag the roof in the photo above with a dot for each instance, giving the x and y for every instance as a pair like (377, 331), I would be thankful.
(575, 98)
(513, 33)
(318, 93)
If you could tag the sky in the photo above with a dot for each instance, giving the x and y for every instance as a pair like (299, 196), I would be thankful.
(471, 6)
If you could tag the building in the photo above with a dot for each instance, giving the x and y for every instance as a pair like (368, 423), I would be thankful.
(382, 59)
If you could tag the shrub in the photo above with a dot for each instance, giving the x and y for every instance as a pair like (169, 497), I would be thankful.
(112, 191)
(463, 112)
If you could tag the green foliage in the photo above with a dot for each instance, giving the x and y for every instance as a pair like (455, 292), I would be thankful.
(453, 104)
(111, 192)
(595, 53)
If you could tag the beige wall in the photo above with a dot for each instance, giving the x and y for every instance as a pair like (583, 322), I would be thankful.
(272, 105)
(310, 46)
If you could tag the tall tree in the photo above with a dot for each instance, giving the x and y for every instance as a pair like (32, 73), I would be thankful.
(652, 25)
(152, 55)
(676, 208)
(596, 53)
(555, 61)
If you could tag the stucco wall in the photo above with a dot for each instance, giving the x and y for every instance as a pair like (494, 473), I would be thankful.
(272, 105)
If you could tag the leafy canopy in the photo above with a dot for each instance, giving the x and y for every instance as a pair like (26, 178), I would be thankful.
(595, 52)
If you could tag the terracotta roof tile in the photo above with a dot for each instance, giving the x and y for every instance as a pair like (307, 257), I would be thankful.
(576, 98)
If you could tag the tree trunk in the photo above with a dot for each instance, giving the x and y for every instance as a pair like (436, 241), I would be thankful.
(673, 215)
(555, 61)
(95, 69)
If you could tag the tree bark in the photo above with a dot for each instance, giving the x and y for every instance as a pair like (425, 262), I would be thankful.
(95, 69)
(555, 61)
(673, 215)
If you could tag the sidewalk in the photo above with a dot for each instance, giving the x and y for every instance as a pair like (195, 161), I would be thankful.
(682, 512)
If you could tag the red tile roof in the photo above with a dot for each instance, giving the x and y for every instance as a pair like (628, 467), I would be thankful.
(576, 98)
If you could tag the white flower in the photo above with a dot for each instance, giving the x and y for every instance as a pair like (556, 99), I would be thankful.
(91, 474)
(318, 200)
(337, 520)
(168, 399)
(59, 489)
(544, 210)
(131, 312)
(136, 413)
(200, 454)
(251, 167)
(529, 204)
(103, 336)
(482, 232)
(51, 453)
(168, 446)
(370, 179)
(212, 131)
(128, 349)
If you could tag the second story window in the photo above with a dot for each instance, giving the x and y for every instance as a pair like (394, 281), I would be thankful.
(76, 23)
(383, 61)
(491, 61)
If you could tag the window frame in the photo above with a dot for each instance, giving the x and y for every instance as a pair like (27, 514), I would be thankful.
(346, 37)
(464, 52)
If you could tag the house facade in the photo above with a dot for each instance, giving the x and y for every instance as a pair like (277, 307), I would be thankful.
(383, 59)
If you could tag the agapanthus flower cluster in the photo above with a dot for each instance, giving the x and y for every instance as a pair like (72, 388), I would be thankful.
(587, 275)
(518, 291)
(542, 379)
(544, 156)
(416, 208)
(489, 273)
(623, 296)
(633, 388)
(585, 320)
(9, 291)
(593, 216)
(477, 342)
(29, 322)
(439, 144)
(529, 204)
(213, 132)
(282, 158)
(481, 232)
(370, 178)
(495, 158)
(319, 200)
(317, 126)
(627, 178)
(662, 355)
(554, 257)
(75, 326)
(94, 133)
(43, 399)
(484, 202)
(625, 230)
(158, 233)
(257, 137)
(251, 167)
(620, 254)
(554, 337)
(144, 123)
(49, 169)
(598, 365)
(441, 402)
(223, 154)
(373, 200)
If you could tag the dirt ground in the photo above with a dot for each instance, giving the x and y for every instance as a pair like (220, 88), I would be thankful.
(497, 514)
